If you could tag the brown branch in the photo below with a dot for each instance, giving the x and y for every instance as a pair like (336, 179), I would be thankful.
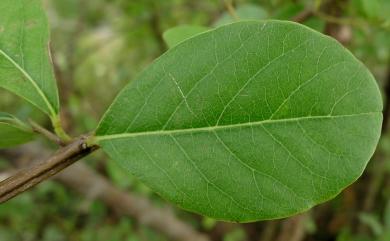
(31, 176)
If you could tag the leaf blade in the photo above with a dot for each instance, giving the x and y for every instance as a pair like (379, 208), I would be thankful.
(24, 56)
(219, 127)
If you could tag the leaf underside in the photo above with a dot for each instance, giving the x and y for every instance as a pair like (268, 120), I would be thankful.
(251, 121)
(25, 64)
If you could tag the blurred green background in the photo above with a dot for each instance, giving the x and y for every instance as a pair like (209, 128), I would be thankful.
(98, 46)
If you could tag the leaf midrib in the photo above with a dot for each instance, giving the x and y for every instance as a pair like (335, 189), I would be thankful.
(27, 75)
(221, 127)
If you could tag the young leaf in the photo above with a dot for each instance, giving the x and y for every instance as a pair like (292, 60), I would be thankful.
(25, 65)
(13, 131)
(244, 12)
(175, 35)
(251, 121)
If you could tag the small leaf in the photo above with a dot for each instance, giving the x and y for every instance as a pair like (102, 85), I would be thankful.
(25, 64)
(250, 121)
(175, 35)
(13, 131)
(244, 12)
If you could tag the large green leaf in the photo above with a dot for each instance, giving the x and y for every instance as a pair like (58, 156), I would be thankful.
(13, 131)
(25, 64)
(251, 121)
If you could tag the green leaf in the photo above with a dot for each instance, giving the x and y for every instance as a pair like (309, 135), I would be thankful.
(175, 35)
(13, 131)
(25, 64)
(244, 12)
(251, 121)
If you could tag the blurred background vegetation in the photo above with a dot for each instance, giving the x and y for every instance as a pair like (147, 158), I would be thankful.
(99, 46)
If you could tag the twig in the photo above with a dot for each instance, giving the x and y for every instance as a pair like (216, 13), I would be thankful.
(59, 130)
(231, 10)
(31, 176)
(44, 132)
